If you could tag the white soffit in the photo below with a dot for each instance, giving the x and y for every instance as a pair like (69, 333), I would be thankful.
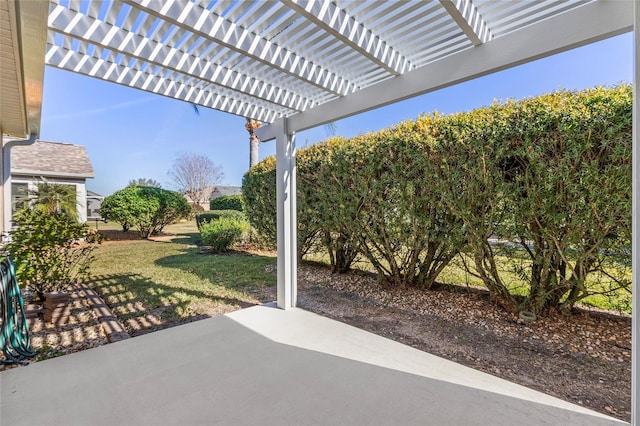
(269, 60)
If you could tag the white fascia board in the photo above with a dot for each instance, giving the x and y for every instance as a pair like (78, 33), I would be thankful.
(36, 173)
(581, 26)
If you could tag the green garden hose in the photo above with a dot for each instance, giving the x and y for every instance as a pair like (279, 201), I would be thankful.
(14, 339)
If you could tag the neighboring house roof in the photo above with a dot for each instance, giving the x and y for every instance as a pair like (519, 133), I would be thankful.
(222, 191)
(44, 158)
(94, 194)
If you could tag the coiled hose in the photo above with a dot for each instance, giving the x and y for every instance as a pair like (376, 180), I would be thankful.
(15, 343)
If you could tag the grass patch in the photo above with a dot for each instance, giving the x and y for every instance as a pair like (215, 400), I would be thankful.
(152, 284)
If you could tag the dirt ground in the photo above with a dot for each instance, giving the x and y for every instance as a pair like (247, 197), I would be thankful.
(584, 358)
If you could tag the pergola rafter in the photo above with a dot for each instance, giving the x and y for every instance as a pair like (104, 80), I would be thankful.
(337, 22)
(194, 63)
(270, 60)
(217, 29)
(171, 86)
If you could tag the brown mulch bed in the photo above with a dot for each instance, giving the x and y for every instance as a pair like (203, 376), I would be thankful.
(584, 358)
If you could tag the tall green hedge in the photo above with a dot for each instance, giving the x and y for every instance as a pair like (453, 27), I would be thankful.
(259, 194)
(327, 200)
(544, 182)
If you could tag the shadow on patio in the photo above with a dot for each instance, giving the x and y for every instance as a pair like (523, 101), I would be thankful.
(266, 366)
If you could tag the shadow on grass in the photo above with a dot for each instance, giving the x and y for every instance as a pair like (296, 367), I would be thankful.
(143, 305)
(234, 270)
(190, 238)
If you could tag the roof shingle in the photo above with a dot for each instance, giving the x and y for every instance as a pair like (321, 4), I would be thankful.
(51, 159)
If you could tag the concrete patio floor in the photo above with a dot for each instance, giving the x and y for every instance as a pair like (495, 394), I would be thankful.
(265, 366)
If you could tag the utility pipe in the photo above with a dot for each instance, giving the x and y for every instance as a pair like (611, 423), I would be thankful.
(5, 173)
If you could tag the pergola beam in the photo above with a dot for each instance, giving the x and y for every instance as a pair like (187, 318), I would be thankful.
(554, 35)
(337, 22)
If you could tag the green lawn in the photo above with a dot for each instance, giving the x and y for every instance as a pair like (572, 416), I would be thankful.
(155, 284)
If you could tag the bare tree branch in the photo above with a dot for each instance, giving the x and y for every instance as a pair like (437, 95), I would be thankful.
(195, 176)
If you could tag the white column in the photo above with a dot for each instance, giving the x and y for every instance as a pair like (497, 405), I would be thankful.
(635, 217)
(286, 215)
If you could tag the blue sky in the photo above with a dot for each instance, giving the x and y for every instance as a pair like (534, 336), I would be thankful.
(132, 134)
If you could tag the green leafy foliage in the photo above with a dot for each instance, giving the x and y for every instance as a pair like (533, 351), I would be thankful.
(51, 250)
(227, 202)
(205, 217)
(144, 182)
(544, 183)
(146, 209)
(221, 233)
(53, 198)
(259, 194)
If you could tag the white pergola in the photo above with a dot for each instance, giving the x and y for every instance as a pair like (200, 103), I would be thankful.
(293, 64)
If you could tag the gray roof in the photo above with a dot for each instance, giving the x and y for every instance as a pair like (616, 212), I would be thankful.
(222, 191)
(44, 158)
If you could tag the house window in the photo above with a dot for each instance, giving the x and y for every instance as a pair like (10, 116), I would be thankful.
(19, 197)
(57, 197)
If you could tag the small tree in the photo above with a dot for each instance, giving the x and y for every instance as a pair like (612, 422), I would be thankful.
(51, 250)
(144, 182)
(52, 198)
(126, 207)
(195, 176)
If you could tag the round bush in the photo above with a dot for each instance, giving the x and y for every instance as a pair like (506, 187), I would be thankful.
(220, 234)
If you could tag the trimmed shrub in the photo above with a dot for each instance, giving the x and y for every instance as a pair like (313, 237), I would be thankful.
(259, 191)
(51, 251)
(146, 209)
(546, 183)
(221, 233)
(209, 216)
(259, 194)
(227, 202)
(404, 228)
(324, 212)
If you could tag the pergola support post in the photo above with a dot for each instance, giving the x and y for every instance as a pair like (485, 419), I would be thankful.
(286, 215)
(635, 215)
